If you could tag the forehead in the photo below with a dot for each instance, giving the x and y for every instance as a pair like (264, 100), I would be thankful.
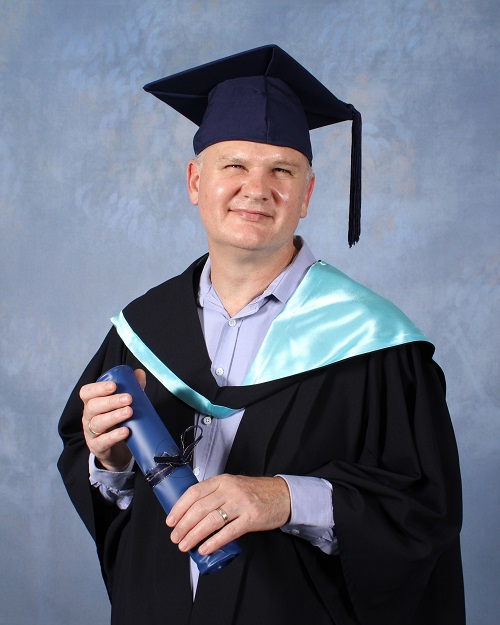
(255, 152)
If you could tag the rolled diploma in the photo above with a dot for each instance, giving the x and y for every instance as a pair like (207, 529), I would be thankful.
(148, 438)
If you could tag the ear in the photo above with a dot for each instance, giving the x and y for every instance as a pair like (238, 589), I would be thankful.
(193, 181)
(307, 196)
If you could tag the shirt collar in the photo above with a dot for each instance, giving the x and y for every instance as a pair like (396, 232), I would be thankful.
(281, 287)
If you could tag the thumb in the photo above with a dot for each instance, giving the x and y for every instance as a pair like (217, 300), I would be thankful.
(140, 374)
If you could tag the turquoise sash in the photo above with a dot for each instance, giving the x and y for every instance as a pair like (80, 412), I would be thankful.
(165, 375)
(329, 318)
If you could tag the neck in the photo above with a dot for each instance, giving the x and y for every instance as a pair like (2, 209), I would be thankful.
(240, 279)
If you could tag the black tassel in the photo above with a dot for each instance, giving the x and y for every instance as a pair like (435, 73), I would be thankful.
(355, 193)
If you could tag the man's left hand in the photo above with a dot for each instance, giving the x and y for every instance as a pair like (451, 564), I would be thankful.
(251, 504)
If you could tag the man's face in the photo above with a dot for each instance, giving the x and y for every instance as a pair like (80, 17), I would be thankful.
(250, 195)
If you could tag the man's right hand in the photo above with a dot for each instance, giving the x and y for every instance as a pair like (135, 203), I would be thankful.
(103, 411)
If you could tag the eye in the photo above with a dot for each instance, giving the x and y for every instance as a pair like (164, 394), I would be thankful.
(281, 171)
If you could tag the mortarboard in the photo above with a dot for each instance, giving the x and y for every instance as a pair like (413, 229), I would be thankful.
(265, 96)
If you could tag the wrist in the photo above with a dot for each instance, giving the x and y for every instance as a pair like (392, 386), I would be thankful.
(105, 466)
(286, 498)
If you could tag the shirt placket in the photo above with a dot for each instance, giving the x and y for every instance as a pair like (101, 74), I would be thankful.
(221, 370)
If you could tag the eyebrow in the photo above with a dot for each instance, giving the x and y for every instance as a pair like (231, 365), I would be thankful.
(289, 164)
(233, 157)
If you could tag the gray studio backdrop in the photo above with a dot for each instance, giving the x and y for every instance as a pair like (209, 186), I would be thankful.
(94, 212)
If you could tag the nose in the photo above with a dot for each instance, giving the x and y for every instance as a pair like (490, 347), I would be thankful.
(256, 185)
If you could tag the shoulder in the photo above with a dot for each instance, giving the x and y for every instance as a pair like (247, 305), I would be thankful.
(380, 321)
(331, 280)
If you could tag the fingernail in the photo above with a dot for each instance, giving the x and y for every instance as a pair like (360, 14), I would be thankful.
(170, 520)
(203, 550)
(183, 545)
(174, 537)
(110, 386)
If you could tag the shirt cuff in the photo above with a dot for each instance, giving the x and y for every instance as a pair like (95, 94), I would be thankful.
(311, 515)
(116, 487)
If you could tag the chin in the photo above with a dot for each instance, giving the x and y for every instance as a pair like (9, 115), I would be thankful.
(249, 240)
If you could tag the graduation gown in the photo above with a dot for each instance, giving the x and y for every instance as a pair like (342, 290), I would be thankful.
(375, 425)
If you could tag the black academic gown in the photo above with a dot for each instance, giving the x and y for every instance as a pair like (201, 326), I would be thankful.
(376, 426)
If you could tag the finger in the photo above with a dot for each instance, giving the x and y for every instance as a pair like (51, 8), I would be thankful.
(209, 524)
(140, 374)
(231, 531)
(194, 515)
(193, 495)
(101, 445)
(97, 402)
(111, 451)
(199, 521)
(106, 405)
(96, 389)
(97, 424)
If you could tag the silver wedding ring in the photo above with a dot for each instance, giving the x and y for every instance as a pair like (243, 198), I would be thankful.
(223, 514)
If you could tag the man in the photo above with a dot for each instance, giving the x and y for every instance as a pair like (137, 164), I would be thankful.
(327, 448)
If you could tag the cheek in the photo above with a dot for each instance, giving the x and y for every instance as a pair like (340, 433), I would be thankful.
(213, 203)
(215, 193)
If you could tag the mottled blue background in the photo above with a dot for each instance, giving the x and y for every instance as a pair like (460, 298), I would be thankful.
(94, 212)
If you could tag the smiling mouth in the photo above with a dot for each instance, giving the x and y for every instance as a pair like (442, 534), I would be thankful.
(250, 215)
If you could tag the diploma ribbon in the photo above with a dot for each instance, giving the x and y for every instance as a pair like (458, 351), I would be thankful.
(167, 463)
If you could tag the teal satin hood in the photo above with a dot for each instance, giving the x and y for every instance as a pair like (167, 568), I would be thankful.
(327, 319)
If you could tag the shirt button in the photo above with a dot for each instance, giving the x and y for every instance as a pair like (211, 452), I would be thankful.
(196, 471)
(232, 322)
(207, 420)
(219, 371)
(295, 532)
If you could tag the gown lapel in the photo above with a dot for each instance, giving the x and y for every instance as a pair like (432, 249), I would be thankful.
(166, 319)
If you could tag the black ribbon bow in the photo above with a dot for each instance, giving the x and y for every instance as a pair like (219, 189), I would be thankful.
(167, 463)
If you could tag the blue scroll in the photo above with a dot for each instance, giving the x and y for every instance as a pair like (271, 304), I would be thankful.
(164, 465)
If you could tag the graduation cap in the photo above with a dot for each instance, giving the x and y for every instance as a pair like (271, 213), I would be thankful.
(265, 96)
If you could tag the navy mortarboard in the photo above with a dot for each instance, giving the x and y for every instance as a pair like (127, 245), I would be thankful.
(265, 96)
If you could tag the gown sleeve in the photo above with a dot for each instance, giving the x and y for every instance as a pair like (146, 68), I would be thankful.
(397, 501)
(96, 513)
